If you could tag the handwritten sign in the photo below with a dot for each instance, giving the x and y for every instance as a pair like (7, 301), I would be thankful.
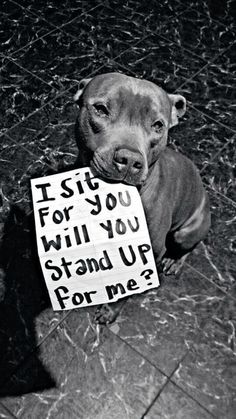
(92, 239)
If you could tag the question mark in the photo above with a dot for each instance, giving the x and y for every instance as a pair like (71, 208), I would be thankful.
(147, 275)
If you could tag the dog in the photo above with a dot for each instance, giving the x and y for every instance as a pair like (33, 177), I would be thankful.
(121, 132)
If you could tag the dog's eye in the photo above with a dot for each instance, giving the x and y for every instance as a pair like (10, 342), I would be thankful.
(100, 109)
(153, 144)
(158, 126)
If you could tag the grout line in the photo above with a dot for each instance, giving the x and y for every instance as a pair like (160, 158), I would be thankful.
(33, 351)
(7, 411)
(60, 93)
(155, 399)
(117, 56)
(209, 63)
(151, 32)
(190, 105)
(51, 331)
(114, 59)
(157, 32)
(57, 96)
(221, 195)
(119, 13)
(170, 380)
(169, 377)
(194, 54)
(55, 27)
(31, 43)
(61, 28)
(183, 358)
(226, 293)
(226, 145)
(11, 59)
(27, 150)
(138, 353)
(233, 131)
(208, 15)
(66, 90)
(192, 398)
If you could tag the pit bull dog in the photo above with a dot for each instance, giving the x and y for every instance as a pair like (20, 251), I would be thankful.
(122, 131)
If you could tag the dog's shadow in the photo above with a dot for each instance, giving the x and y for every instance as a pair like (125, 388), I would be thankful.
(23, 297)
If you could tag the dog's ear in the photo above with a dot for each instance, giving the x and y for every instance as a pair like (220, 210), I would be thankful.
(178, 108)
(80, 90)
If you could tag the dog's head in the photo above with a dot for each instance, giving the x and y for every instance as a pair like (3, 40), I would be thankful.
(123, 125)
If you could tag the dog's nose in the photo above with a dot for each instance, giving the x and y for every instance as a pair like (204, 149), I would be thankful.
(125, 159)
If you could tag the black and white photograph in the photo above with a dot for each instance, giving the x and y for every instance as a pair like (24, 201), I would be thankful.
(117, 209)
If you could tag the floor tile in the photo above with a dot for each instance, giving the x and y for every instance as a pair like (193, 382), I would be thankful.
(199, 137)
(215, 257)
(91, 374)
(175, 404)
(108, 31)
(26, 314)
(18, 27)
(59, 59)
(17, 165)
(21, 94)
(212, 89)
(171, 351)
(162, 325)
(223, 11)
(152, 15)
(49, 132)
(220, 173)
(4, 413)
(55, 15)
(198, 33)
(208, 371)
(161, 61)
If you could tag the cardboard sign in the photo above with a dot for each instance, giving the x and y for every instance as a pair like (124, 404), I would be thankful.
(92, 238)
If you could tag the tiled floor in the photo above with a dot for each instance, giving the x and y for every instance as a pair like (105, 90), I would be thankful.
(172, 352)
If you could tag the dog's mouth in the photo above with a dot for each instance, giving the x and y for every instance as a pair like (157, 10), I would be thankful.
(103, 168)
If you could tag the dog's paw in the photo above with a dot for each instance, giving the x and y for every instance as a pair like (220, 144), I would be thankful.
(172, 266)
(104, 314)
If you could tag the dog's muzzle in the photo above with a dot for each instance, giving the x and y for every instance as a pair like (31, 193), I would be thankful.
(122, 164)
(128, 161)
